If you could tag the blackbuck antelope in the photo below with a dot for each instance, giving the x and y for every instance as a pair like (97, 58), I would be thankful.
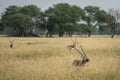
(85, 59)
(11, 43)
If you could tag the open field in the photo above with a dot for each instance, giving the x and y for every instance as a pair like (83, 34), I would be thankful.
(49, 59)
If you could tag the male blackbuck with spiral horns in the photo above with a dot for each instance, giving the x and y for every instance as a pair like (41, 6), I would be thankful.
(85, 59)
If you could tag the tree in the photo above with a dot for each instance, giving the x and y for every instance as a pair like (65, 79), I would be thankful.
(101, 17)
(33, 12)
(89, 28)
(118, 29)
(1, 25)
(70, 28)
(113, 20)
(20, 23)
(89, 18)
(91, 10)
(60, 14)
(11, 10)
(82, 28)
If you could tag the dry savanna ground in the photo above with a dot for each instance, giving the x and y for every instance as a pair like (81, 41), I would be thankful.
(49, 59)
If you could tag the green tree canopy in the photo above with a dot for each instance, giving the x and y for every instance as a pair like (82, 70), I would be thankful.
(14, 16)
(20, 23)
(61, 14)
(31, 10)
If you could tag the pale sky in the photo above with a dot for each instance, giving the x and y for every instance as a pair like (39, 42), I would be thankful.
(45, 4)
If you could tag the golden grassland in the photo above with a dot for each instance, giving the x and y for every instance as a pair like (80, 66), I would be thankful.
(49, 59)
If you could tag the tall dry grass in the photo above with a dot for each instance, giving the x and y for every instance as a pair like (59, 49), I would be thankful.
(49, 59)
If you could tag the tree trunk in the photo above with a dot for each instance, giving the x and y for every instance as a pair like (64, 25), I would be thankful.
(113, 33)
(61, 33)
(46, 34)
(113, 30)
(89, 34)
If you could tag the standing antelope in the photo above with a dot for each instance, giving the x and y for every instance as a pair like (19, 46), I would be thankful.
(11, 43)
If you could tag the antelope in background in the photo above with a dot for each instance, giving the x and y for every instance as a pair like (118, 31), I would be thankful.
(11, 43)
